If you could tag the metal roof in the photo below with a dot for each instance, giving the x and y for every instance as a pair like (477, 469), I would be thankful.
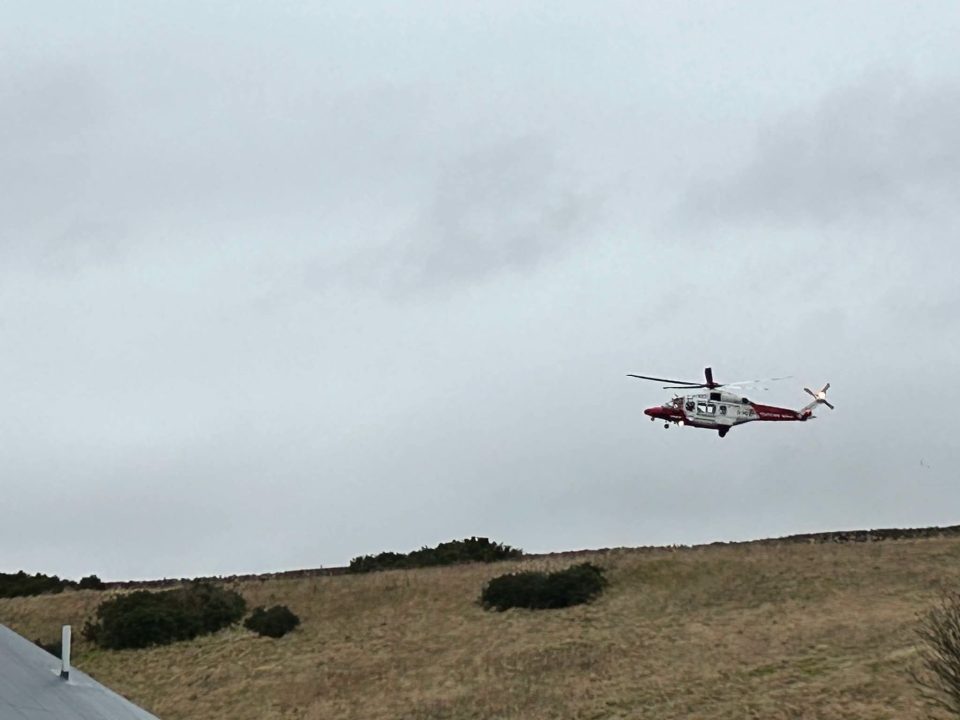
(31, 688)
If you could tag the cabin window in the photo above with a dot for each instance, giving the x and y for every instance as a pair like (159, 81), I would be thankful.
(706, 408)
(690, 405)
(723, 409)
(715, 396)
(745, 401)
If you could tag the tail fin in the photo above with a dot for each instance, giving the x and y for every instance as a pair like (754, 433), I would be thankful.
(819, 398)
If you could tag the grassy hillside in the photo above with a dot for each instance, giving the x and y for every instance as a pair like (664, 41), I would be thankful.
(741, 631)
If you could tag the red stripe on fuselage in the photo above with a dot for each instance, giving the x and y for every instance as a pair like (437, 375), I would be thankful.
(771, 412)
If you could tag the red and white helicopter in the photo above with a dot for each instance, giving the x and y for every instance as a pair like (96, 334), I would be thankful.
(721, 410)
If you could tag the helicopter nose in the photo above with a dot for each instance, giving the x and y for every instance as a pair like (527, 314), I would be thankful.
(653, 412)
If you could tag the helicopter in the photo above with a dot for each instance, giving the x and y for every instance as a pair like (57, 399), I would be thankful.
(719, 409)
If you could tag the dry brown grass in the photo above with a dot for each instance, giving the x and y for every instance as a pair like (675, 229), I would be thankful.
(748, 631)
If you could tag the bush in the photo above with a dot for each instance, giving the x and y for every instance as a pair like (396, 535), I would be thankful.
(939, 655)
(91, 582)
(539, 591)
(275, 622)
(472, 549)
(54, 648)
(20, 584)
(213, 607)
(145, 618)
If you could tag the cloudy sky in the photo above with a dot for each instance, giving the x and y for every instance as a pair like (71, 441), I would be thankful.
(286, 283)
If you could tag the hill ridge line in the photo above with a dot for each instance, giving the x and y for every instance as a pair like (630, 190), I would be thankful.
(833, 536)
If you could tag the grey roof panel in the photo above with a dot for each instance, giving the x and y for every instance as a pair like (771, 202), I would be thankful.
(31, 688)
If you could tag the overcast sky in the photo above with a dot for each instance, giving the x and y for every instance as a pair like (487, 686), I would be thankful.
(286, 283)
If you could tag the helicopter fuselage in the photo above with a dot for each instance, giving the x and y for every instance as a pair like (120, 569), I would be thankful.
(720, 410)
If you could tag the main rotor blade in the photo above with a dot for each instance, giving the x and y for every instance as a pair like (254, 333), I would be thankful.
(683, 387)
(741, 383)
(685, 383)
(811, 392)
(828, 404)
(825, 387)
(708, 374)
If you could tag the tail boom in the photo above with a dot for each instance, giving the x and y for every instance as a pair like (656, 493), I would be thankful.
(772, 413)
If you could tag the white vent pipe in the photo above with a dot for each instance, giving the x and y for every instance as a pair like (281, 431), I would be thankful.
(65, 653)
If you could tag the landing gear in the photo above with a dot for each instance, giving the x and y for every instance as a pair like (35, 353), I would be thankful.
(666, 426)
(723, 431)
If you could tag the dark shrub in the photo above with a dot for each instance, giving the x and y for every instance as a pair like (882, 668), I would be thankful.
(54, 648)
(20, 584)
(145, 618)
(938, 675)
(383, 561)
(539, 591)
(91, 582)
(140, 619)
(275, 622)
(472, 549)
(211, 607)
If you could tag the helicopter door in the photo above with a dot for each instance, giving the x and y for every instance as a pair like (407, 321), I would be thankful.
(706, 411)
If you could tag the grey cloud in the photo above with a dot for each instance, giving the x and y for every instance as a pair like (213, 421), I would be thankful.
(506, 207)
(81, 245)
(48, 115)
(169, 148)
(880, 147)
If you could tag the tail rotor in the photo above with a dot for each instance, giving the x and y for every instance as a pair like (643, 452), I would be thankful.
(819, 397)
